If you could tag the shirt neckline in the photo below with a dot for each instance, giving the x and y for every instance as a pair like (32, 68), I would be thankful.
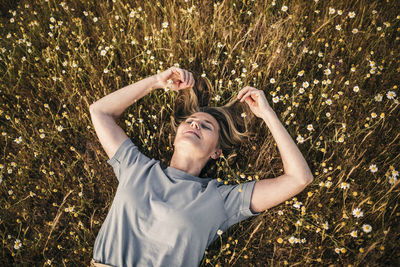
(179, 174)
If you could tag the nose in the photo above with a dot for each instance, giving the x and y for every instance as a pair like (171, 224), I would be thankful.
(196, 125)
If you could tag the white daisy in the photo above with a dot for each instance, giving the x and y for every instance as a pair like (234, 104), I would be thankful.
(357, 213)
(367, 228)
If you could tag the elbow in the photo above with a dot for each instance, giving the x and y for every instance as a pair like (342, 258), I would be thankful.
(91, 107)
(307, 180)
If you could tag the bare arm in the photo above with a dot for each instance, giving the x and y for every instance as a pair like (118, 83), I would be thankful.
(273, 191)
(294, 163)
(114, 104)
(108, 109)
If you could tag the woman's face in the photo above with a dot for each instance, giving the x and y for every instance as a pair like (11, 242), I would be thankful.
(198, 134)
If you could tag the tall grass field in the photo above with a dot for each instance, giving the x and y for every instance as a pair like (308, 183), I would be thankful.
(329, 69)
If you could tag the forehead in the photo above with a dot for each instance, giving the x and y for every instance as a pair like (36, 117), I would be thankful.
(206, 117)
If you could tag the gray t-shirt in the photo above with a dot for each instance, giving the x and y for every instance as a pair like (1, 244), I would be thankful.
(165, 216)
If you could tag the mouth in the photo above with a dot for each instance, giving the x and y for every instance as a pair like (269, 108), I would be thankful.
(193, 133)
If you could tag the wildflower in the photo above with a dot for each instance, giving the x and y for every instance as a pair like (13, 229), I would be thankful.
(325, 225)
(217, 97)
(243, 115)
(337, 250)
(103, 52)
(340, 12)
(305, 84)
(338, 27)
(327, 71)
(344, 185)
(373, 168)
(291, 239)
(357, 213)
(284, 8)
(353, 233)
(378, 98)
(300, 73)
(367, 228)
(272, 80)
(279, 240)
(297, 204)
(356, 88)
(219, 232)
(95, 19)
(310, 127)
(392, 180)
(280, 212)
(354, 31)
(351, 14)
(165, 25)
(17, 244)
(331, 10)
(300, 139)
(328, 184)
(60, 128)
(391, 94)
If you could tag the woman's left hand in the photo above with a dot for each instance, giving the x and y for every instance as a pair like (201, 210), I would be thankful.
(256, 100)
(175, 79)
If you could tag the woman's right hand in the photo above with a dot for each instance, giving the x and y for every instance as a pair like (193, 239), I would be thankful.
(175, 79)
(255, 99)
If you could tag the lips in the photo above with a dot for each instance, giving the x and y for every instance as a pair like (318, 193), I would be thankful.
(194, 133)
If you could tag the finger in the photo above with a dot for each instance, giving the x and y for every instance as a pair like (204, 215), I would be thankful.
(183, 75)
(191, 80)
(187, 78)
(243, 91)
(248, 94)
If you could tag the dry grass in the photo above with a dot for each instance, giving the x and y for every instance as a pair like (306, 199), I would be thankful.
(335, 89)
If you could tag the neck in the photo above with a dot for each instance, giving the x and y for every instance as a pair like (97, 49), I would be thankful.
(193, 166)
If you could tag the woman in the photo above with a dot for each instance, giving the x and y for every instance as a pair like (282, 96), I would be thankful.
(169, 216)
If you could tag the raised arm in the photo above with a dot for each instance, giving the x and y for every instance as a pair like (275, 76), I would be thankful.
(107, 110)
(271, 192)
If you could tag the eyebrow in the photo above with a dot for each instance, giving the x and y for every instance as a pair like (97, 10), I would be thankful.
(194, 116)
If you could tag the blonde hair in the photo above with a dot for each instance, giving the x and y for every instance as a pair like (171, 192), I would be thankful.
(233, 127)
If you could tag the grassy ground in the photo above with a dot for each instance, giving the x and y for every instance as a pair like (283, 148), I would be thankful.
(330, 70)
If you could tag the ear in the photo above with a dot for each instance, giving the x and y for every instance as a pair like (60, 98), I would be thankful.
(216, 154)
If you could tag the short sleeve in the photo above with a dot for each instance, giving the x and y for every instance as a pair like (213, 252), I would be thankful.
(126, 157)
(236, 200)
